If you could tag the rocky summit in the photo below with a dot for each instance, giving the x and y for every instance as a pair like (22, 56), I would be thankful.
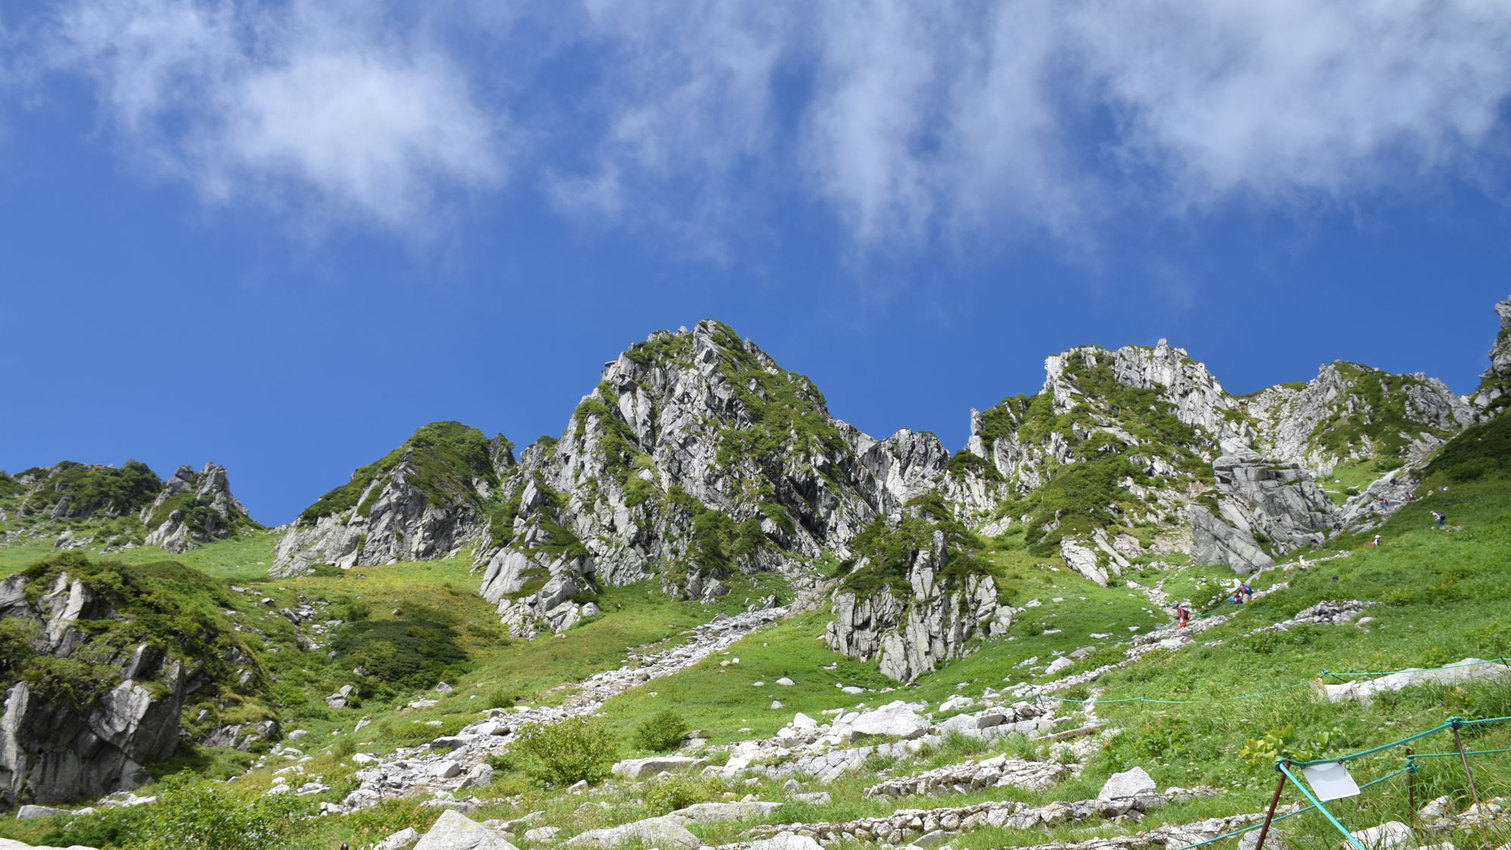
(76, 505)
(709, 613)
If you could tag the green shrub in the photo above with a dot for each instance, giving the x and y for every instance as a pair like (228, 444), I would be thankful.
(568, 752)
(661, 733)
(192, 815)
(402, 655)
(502, 698)
(673, 794)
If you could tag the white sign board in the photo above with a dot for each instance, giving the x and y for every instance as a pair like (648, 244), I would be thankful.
(1330, 781)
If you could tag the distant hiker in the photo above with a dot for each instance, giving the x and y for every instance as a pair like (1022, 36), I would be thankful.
(1301, 563)
(1335, 579)
(1392, 481)
(1180, 616)
(1384, 504)
(1376, 541)
(1248, 592)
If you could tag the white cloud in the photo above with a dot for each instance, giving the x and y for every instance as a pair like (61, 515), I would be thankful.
(924, 118)
(911, 121)
(314, 105)
(1283, 96)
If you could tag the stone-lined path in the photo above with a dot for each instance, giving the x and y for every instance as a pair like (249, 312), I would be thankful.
(457, 762)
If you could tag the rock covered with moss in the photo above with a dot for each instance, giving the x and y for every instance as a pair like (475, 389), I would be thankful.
(1494, 393)
(1113, 440)
(120, 507)
(194, 508)
(423, 500)
(97, 665)
(1350, 413)
(916, 595)
(696, 458)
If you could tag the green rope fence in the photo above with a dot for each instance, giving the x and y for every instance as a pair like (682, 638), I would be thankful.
(1283, 766)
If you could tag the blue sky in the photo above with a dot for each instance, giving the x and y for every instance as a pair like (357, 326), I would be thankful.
(281, 236)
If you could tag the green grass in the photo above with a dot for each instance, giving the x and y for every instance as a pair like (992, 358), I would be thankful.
(1350, 479)
(244, 558)
(721, 700)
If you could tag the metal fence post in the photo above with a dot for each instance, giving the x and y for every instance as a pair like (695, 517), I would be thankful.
(1269, 814)
(1465, 759)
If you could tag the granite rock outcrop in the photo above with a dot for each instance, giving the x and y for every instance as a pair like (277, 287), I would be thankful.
(65, 738)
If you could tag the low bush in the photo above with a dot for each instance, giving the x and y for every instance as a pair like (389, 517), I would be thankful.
(191, 815)
(679, 793)
(568, 752)
(662, 732)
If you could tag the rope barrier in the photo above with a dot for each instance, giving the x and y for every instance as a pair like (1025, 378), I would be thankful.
(1163, 701)
(1410, 768)
(1357, 674)
(1372, 750)
(1456, 755)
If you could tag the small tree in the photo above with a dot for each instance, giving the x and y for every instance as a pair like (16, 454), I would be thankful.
(661, 733)
(564, 753)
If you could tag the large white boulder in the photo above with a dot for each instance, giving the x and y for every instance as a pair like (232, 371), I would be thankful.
(454, 831)
(893, 720)
(1129, 783)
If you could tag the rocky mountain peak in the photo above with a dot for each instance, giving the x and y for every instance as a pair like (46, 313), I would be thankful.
(1351, 412)
(695, 457)
(1494, 393)
(422, 500)
(193, 509)
(1193, 393)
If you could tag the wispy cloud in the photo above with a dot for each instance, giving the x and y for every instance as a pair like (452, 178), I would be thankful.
(909, 121)
(311, 104)
(1032, 117)
(1283, 96)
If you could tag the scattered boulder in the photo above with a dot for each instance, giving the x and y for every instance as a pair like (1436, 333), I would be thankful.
(1467, 670)
(642, 768)
(455, 831)
(404, 839)
(786, 841)
(1129, 783)
(893, 720)
(666, 832)
(1391, 835)
(31, 811)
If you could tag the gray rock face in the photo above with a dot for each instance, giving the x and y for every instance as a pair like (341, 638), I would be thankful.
(211, 513)
(454, 831)
(932, 624)
(53, 750)
(1494, 393)
(1214, 541)
(407, 512)
(1259, 499)
(680, 427)
(1328, 420)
